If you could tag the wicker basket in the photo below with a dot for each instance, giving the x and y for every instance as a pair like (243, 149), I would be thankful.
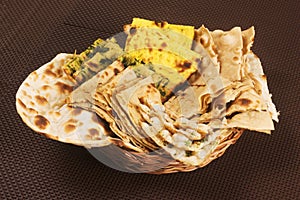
(159, 162)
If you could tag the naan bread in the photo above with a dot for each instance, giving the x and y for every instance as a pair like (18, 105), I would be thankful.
(41, 103)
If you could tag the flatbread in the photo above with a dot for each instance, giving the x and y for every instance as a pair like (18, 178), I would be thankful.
(182, 146)
(247, 100)
(204, 37)
(255, 71)
(252, 120)
(41, 103)
(103, 97)
(126, 104)
(94, 59)
(247, 88)
(196, 97)
(181, 34)
(163, 44)
(229, 49)
(84, 93)
(179, 140)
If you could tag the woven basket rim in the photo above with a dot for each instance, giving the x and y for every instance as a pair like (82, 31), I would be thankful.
(136, 162)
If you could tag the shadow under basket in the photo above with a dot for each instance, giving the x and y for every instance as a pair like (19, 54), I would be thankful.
(157, 162)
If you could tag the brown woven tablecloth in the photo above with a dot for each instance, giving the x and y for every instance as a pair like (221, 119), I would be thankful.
(258, 166)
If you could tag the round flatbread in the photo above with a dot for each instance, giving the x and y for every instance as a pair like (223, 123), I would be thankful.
(41, 103)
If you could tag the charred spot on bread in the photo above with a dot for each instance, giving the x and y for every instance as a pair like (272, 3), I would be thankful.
(41, 122)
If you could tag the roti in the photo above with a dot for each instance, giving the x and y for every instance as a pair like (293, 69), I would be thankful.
(41, 103)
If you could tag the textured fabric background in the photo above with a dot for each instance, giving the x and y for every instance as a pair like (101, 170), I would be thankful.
(258, 166)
